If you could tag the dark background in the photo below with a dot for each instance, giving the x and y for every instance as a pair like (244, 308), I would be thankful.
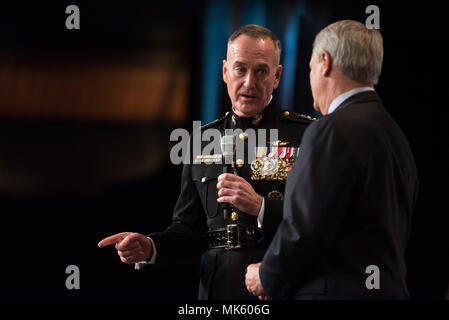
(76, 165)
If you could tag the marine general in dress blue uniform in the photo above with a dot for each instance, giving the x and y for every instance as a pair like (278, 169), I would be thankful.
(254, 190)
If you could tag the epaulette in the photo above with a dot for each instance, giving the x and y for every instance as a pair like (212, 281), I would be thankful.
(210, 124)
(296, 116)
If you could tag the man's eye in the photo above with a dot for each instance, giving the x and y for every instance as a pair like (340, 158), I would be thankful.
(262, 72)
(241, 70)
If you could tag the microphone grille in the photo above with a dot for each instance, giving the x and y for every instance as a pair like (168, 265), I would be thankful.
(227, 144)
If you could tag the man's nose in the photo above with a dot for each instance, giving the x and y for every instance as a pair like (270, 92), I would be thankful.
(250, 80)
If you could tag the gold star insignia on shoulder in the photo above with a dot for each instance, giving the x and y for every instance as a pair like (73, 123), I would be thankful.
(307, 117)
(297, 116)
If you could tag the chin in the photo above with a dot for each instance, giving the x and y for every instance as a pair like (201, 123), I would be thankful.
(249, 110)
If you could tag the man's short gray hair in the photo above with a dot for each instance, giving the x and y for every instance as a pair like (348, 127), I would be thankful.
(356, 50)
(258, 32)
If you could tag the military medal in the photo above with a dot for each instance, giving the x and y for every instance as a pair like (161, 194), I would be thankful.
(270, 166)
(273, 163)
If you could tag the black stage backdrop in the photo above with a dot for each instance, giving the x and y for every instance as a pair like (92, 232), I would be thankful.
(68, 179)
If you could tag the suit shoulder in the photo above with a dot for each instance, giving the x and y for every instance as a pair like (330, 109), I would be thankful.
(216, 121)
(293, 116)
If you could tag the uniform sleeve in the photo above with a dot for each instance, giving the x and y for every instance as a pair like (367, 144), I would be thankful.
(317, 190)
(183, 241)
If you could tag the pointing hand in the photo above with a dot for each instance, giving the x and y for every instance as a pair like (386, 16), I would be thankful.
(131, 247)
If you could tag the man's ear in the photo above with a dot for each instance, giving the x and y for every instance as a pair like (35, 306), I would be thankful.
(326, 63)
(225, 70)
(277, 76)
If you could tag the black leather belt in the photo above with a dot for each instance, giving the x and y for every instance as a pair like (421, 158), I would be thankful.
(234, 236)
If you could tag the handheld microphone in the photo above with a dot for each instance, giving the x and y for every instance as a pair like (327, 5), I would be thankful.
(227, 144)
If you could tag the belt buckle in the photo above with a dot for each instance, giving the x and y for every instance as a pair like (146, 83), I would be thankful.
(234, 236)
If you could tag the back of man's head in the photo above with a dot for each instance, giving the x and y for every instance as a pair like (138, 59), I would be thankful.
(257, 32)
(355, 50)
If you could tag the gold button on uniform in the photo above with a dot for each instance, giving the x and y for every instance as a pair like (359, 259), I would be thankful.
(239, 163)
(227, 113)
(243, 136)
(286, 113)
(203, 180)
(234, 216)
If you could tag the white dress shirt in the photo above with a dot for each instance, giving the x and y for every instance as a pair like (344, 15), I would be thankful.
(344, 96)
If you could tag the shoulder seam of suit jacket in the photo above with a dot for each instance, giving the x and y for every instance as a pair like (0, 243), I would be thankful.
(329, 121)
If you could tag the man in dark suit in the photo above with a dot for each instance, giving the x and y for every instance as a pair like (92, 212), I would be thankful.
(350, 197)
(254, 190)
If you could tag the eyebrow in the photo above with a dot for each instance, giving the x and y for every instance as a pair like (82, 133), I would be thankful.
(239, 64)
(242, 64)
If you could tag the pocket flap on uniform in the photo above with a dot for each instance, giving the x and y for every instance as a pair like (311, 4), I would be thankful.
(205, 173)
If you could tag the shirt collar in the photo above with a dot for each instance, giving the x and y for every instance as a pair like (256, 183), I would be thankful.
(245, 123)
(341, 98)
